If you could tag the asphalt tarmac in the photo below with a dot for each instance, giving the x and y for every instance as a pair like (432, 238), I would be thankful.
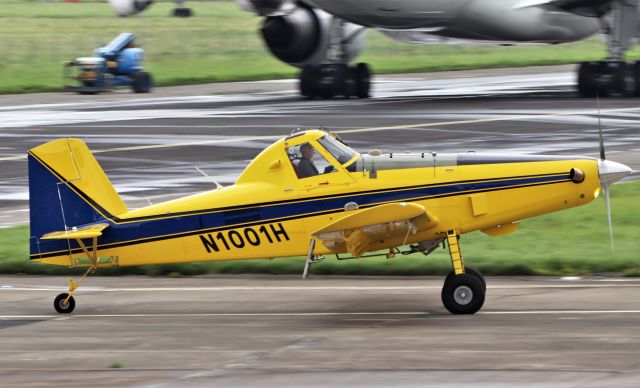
(282, 331)
(349, 331)
(151, 145)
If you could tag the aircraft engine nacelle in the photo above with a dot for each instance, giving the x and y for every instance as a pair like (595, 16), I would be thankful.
(302, 36)
(489, 20)
(129, 7)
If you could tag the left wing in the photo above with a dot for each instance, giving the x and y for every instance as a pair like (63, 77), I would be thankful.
(360, 229)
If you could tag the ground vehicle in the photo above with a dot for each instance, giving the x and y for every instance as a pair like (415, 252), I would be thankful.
(117, 64)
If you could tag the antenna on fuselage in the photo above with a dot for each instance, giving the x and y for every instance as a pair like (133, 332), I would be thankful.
(218, 185)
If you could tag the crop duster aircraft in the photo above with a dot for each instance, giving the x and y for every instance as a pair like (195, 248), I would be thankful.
(307, 194)
(323, 37)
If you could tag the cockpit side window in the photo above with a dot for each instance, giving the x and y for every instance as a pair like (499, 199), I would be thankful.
(307, 162)
(340, 151)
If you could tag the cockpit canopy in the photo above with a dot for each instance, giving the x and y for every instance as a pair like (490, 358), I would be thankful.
(301, 155)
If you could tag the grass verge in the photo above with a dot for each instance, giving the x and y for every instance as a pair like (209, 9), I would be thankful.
(220, 43)
(571, 242)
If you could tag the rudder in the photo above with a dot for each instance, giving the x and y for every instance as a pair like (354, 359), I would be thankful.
(67, 188)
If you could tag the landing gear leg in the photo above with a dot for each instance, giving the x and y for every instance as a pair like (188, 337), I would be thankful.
(463, 291)
(311, 258)
(334, 77)
(614, 76)
(64, 303)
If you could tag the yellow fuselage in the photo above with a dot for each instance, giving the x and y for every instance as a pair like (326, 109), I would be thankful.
(270, 212)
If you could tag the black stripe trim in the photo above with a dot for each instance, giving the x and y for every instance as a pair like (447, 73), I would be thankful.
(307, 215)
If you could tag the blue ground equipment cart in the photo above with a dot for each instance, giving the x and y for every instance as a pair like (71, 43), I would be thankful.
(117, 64)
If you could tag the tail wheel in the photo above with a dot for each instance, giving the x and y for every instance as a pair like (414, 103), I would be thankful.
(463, 294)
(64, 307)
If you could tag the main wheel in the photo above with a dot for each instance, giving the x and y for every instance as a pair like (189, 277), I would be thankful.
(363, 80)
(471, 271)
(624, 82)
(340, 80)
(463, 294)
(308, 77)
(636, 73)
(586, 87)
(64, 307)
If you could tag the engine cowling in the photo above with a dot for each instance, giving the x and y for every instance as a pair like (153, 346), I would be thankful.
(129, 7)
(302, 36)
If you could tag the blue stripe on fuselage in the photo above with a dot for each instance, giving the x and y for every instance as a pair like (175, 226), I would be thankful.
(194, 224)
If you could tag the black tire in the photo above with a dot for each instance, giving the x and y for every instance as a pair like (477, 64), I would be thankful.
(308, 77)
(586, 87)
(340, 79)
(470, 271)
(623, 78)
(142, 82)
(463, 294)
(636, 73)
(182, 12)
(363, 80)
(61, 307)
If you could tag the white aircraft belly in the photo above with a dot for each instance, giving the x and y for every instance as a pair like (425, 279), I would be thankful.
(397, 14)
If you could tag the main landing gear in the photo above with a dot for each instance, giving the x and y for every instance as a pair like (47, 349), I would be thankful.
(606, 78)
(335, 80)
(614, 76)
(464, 288)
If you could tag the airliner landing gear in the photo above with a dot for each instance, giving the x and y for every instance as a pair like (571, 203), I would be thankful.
(335, 80)
(614, 76)
(607, 78)
(334, 77)
(464, 289)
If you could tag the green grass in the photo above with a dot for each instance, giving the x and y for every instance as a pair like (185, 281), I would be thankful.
(571, 242)
(219, 44)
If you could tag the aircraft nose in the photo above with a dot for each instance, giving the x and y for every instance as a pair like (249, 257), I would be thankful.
(610, 171)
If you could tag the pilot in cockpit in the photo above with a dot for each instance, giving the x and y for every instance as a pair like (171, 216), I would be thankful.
(306, 168)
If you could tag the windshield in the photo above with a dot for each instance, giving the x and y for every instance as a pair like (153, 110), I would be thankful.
(340, 151)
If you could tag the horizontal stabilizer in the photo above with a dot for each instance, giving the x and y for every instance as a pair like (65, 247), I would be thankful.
(77, 233)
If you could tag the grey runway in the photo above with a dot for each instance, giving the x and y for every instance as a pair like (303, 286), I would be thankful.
(150, 146)
(326, 331)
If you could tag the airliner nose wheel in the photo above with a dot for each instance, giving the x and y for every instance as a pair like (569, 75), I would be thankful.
(335, 80)
(64, 304)
(463, 294)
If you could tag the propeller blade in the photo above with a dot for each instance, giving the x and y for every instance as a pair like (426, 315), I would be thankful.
(607, 201)
(602, 157)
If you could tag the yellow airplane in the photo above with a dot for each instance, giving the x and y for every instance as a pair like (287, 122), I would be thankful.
(307, 194)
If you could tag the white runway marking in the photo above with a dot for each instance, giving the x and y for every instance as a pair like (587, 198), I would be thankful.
(312, 288)
(321, 314)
